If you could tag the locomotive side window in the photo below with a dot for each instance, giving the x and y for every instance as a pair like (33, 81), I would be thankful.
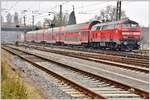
(98, 28)
(108, 26)
(104, 27)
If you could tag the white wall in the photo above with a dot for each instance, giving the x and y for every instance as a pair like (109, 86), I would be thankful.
(9, 36)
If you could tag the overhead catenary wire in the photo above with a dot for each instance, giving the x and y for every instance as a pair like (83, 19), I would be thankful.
(56, 6)
(44, 13)
(89, 5)
(7, 10)
(95, 9)
(13, 5)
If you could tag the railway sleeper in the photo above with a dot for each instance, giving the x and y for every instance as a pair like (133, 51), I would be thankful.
(92, 94)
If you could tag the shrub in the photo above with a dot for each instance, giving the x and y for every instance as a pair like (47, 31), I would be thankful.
(12, 86)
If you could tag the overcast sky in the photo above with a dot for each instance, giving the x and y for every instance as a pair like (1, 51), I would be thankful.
(84, 10)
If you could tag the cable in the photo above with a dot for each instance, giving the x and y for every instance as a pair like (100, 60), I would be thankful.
(89, 5)
(13, 5)
(77, 8)
(56, 6)
(96, 8)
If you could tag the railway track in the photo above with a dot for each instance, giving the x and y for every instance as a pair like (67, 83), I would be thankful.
(111, 56)
(63, 82)
(97, 87)
(133, 54)
(112, 60)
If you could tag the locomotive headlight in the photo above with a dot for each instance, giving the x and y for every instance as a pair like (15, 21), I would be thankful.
(125, 43)
(125, 33)
(136, 33)
(138, 43)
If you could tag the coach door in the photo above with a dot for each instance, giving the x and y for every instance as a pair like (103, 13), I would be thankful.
(84, 35)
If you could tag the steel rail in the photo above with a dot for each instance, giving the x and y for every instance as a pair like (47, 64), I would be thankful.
(118, 53)
(115, 58)
(78, 86)
(91, 58)
(142, 93)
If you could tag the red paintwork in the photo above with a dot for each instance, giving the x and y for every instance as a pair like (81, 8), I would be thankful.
(81, 33)
(115, 34)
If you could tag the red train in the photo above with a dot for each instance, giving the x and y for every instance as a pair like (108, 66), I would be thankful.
(121, 35)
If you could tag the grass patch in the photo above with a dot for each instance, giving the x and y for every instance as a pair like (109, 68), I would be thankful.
(12, 87)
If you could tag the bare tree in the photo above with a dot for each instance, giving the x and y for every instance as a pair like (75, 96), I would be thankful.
(16, 19)
(2, 19)
(60, 21)
(65, 19)
(20, 21)
(39, 24)
(47, 22)
(109, 14)
(123, 15)
(56, 20)
(9, 18)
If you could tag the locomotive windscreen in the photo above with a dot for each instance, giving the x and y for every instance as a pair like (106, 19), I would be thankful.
(129, 24)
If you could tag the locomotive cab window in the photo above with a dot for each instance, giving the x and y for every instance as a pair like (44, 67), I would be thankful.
(129, 25)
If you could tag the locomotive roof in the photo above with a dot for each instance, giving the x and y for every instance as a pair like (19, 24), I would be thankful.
(126, 21)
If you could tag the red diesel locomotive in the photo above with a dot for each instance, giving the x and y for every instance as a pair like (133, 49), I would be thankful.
(121, 35)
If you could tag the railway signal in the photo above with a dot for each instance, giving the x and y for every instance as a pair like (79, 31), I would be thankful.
(60, 15)
(33, 21)
(17, 26)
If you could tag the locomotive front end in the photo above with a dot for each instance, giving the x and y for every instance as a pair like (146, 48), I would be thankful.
(131, 35)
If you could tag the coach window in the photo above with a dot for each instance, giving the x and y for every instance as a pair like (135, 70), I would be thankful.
(108, 26)
(115, 25)
(112, 26)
